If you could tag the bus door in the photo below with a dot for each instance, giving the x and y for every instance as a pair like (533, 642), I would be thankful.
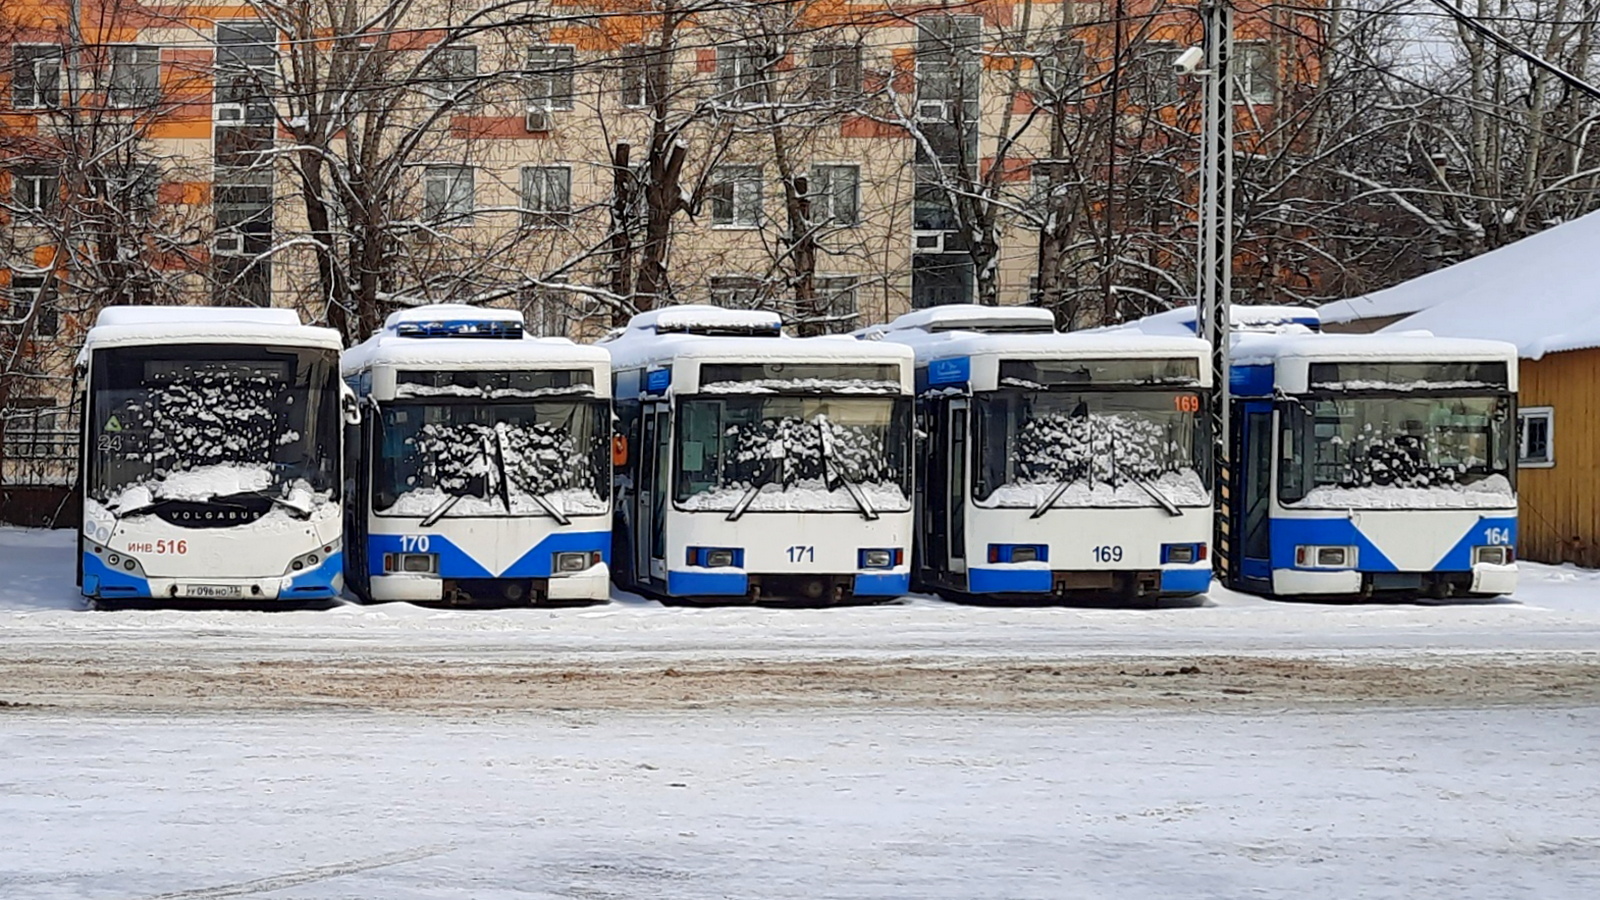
(654, 483)
(955, 524)
(1255, 492)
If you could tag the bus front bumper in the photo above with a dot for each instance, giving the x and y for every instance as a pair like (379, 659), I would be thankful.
(593, 583)
(102, 581)
(1481, 579)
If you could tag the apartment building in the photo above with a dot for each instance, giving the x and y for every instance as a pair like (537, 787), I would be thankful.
(842, 161)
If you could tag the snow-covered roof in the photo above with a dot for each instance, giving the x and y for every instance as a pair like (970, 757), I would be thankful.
(973, 317)
(1264, 349)
(140, 325)
(1058, 345)
(699, 317)
(387, 348)
(451, 312)
(1539, 293)
(1268, 319)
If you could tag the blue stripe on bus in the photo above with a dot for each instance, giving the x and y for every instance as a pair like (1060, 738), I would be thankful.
(1251, 381)
(1008, 581)
(1459, 559)
(882, 584)
(1185, 581)
(455, 562)
(100, 580)
(707, 584)
(1342, 532)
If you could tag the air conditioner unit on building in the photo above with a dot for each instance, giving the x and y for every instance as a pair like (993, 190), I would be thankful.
(537, 120)
(927, 242)
(227, 242)
(228, 113)
(933, 111)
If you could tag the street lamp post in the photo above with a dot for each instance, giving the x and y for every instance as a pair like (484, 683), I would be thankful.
(1214, 261)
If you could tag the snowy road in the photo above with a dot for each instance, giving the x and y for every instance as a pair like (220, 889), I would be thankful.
(1219, 749)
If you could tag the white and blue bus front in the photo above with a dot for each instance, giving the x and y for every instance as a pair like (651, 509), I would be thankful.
(791, 481)
(490, 485)
(1087, 477)
(1390, 477)
(211, 472)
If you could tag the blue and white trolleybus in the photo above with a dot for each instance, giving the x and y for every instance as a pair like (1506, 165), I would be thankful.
(758, 466)
(484, 471)
(1057, 465)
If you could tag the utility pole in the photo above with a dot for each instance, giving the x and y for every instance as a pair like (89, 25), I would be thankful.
(1214, 276)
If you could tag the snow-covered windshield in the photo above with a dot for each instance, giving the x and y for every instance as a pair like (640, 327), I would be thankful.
(1070, 448)
(463, 459)
(1397, 453)
(201, 422)
(798, 453)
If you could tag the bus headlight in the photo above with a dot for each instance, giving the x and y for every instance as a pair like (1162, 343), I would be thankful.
(1309, 556)
(1019, 553)
(715, 557)
(880, 558)
(411, 563)
(1183, 554)
(719, 558)
(1498, 555)
(576, 561)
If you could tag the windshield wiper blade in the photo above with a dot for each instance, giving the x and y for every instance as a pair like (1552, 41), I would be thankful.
(505, 481)
(1161, 499)
(850, 487)
(750, 493)
(300, 512)
(1050, 501)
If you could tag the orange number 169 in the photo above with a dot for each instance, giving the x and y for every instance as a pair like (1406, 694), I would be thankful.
(1189, 403)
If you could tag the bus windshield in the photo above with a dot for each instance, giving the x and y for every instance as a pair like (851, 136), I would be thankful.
(1064, 448)
(466, 458)
(1403, 452)
(813, 453)
(212, 423)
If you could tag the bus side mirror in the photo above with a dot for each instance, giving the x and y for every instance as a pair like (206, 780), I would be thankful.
(348, 405)
(619, 450)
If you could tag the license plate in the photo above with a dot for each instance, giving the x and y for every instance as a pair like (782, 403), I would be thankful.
(213, 591)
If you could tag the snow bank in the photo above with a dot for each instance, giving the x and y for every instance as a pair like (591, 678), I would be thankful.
(121, 316)
(804, 495)
(1182, 488)
(423, 501)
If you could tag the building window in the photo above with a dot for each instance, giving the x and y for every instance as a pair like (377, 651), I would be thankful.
(546, 196)
(1255, 73)
(448, 195)
(247, 69)
(549, 76)
(135, 76)
(1060, 72)
(736, 196)
(741, 74)
(635, 70)
(1151, 75)
(948, 66)
(836, 296)
(24, 301)
(547, 311)
(735, 291)
(1536, 430)
(35, 75)
(450, 71)
(35, 191)
(835, 72)
(834, 194)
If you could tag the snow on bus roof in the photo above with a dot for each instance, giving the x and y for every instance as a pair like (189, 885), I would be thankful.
(693, 316)
(1265, 319)
(139, 325)
(452, 312)
(1264, 349)
(635, 348)
(388, 348)
(974, 317)
(1072, 344)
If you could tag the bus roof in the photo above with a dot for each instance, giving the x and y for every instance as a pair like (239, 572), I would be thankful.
(389, 349)
(125, 326)
(1419, 346)
(1065, 345)
(973, 317)
(1262, 319)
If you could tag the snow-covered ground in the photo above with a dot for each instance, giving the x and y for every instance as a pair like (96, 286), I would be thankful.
(1556, 608)
(1431, 805)
(914, 750)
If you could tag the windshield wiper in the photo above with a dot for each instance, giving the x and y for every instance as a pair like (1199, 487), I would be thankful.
(1161, 499)
(439, 511)
(505, 481)
(761, 481)
(1050, 501)
(850, 487)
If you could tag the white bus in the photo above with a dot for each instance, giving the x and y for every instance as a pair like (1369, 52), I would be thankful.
(210, 456)
(483, 472)
(755, 466)
(1057, 465)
